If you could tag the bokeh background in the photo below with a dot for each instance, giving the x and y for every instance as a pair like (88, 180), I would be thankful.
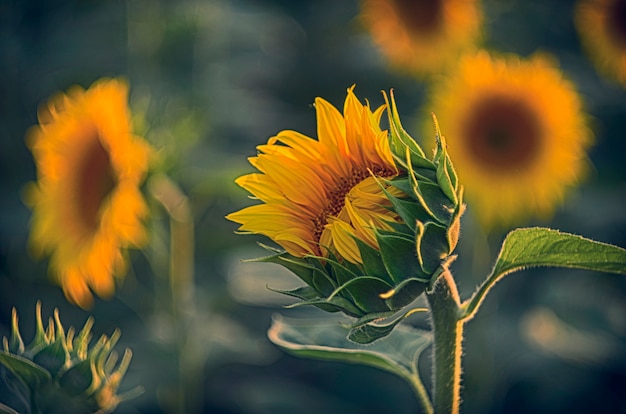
(210, 80)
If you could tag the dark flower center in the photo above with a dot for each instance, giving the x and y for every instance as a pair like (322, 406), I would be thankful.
(502, 134)
(616, 22)
(422, 17)
(96, 180)
(337, 196)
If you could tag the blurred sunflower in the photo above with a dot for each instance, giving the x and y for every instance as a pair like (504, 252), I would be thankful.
(422, 37)
(317, 195)
(602, 28)
(516, 132)
(86, 202)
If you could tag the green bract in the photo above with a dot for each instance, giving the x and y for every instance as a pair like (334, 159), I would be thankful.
(409, 258)
(59, 373)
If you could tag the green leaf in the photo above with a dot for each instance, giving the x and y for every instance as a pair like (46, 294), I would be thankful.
(397, 353)
(533, 247)
(546, 247)
(31, 374)
(5, 409)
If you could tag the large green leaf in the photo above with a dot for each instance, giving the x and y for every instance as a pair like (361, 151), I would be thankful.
(532, 247)
(546, 247)
(327, 339)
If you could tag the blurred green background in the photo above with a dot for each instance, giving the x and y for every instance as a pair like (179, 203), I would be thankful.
(212, 79)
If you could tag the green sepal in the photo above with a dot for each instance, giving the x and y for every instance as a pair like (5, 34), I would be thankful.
(454, 229)
(369, 332)
(370, 317)
(401, 141)
(15, 344)
(31, 374)
(372, 261)
(434, 201)
(409, 210)
(302, 293)
(365, 293)
(307, 272)
(446, 177)
(432, 246)
(341, 272)
(52, 357)
(399, 258)
(405, 292)
(334, 304)
(78, 378)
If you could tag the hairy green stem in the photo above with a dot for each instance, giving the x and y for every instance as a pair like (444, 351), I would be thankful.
(447, 327)
(181, 280)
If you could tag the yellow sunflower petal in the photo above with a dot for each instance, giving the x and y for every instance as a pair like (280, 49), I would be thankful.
(305, 194)
(86, 202)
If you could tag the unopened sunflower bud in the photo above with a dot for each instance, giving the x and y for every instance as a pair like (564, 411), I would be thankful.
(59, 371)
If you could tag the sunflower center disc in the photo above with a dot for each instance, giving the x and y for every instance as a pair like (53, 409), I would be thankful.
(502, 134)
(421, 16)
(616, 24)
(95, 183)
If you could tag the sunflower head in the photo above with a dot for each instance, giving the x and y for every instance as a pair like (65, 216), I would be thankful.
(517, 132)
(60, 372)
(601, 25)
(422, 37)
(365, 219)
(87, 205)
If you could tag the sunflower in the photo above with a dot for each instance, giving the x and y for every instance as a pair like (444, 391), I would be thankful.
(516, 132)
(422, 37)
(602, 28)
(87, 205)
(318, 195)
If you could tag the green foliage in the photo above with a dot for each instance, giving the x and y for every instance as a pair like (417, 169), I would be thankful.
(398, 353)
(533, 247)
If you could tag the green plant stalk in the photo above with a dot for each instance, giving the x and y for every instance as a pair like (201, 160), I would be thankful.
(447, 327)
(420, 392)
(181, 271)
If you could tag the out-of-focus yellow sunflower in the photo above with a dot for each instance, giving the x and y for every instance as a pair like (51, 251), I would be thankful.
(320, 194)
(422, 37)
(517, 134)
(87, 205)
(602, 28)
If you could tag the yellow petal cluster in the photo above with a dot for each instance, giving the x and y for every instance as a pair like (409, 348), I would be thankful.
(87, 205)
(317, 195)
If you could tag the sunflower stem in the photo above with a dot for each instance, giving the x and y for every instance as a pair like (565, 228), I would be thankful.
(420, 392)
(181, 270)
(447, 327)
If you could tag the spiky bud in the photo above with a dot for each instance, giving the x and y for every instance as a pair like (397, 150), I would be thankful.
(60, 373)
